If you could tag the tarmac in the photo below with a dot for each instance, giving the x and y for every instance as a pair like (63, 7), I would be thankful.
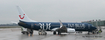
(15, 34)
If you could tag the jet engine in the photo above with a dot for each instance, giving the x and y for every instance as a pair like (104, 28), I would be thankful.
(70, 30)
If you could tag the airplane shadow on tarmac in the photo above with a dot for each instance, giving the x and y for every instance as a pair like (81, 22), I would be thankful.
(49, 36)
(35, 37)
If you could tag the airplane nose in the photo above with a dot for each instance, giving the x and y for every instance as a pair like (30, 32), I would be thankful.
(94, 28)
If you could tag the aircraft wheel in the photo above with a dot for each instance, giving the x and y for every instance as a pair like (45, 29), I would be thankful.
(31, 33)
(42, 33)
(97, 32)
(54, 32)
(27, 33)
(23, 32)
(93, 32)
(59, 33)
(45, 33)
(39, 33)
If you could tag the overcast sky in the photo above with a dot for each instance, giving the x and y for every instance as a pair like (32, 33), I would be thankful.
(53, 10)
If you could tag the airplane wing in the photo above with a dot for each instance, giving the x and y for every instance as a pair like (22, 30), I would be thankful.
(70, 30)
(60, 23)
(54, 29)
(63, 28)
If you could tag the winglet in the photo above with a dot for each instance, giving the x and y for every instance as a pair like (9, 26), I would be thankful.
(61, 25)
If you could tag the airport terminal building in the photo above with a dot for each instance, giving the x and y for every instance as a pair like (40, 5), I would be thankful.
(96, 23)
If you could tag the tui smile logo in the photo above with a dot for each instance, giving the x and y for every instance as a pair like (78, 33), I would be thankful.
(22, 17)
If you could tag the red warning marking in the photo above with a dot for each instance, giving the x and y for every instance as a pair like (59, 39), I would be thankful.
(21, 17)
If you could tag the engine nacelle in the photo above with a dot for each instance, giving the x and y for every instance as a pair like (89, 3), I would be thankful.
(70, 30)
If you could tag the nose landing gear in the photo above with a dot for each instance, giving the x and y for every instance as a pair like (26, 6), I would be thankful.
(95, 31)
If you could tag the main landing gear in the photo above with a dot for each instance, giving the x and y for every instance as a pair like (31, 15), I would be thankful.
(93, 32)
(42, 32)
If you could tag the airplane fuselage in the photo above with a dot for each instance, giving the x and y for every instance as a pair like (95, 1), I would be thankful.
(50, 25)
